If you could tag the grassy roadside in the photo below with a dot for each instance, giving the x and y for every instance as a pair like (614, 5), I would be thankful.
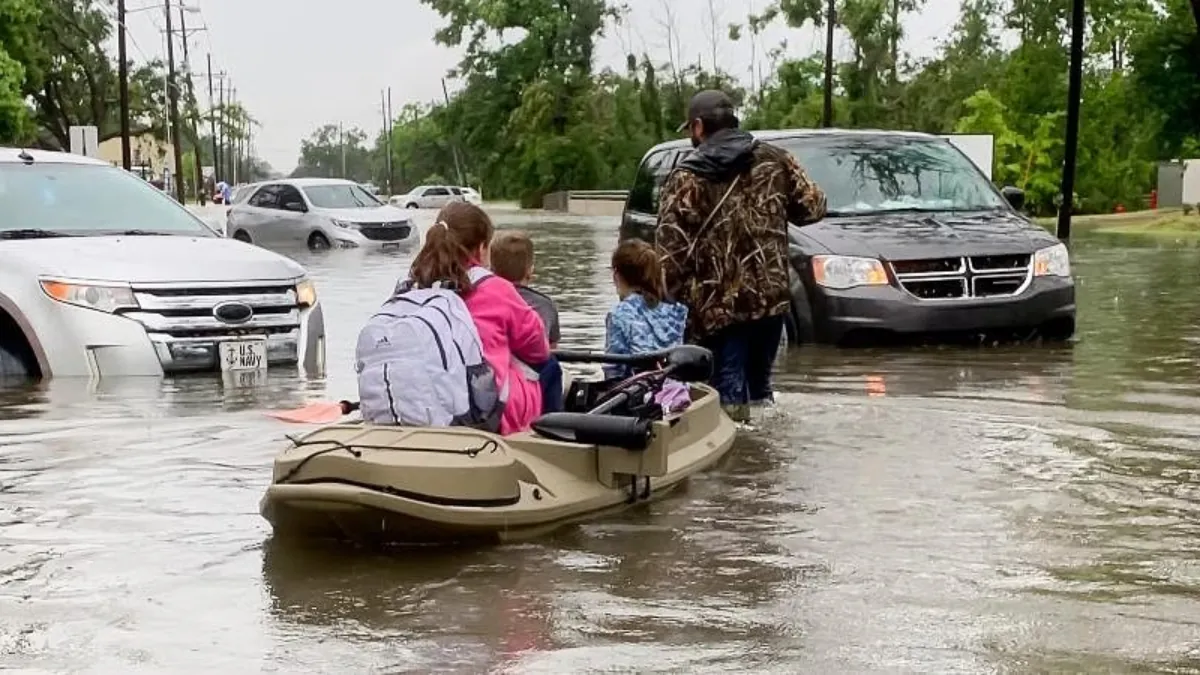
(1169, 223)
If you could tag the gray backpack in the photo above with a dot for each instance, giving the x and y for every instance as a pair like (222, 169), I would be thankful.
(420, 362)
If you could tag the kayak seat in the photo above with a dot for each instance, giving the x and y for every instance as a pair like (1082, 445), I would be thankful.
(628, 433)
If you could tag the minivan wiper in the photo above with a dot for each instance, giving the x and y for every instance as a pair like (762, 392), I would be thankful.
(139, 233)
(31, 233)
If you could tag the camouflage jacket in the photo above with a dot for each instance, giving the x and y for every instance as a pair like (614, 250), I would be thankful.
(724, 244)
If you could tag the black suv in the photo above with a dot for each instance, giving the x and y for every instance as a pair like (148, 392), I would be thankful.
(917, 242)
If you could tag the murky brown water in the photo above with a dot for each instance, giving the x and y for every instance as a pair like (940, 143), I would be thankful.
(942, 510)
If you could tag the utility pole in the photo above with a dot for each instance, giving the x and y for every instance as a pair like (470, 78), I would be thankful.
(454, 145)
(187, 66)
(212, 119)
(830, 18)
(1074, 94)
(342, 142)
(221, 154)
(173, 95)
(248, 149)
(385, 110)
(123, 77)
(235, 142)
(391, 125)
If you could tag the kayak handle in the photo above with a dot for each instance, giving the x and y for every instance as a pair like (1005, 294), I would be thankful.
(690, 363)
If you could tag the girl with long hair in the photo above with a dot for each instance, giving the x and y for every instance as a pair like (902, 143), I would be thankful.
(512, 333)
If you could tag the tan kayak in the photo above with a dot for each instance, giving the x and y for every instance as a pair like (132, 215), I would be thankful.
(376, 483)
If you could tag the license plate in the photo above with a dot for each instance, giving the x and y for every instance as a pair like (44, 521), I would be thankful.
(243, 355)
(390, 246)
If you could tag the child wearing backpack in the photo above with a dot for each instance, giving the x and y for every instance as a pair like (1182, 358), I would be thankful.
(643, 320)
(457, 318)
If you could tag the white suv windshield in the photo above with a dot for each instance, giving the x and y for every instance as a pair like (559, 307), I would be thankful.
(87, 200)
(340, 197)
(873, 174)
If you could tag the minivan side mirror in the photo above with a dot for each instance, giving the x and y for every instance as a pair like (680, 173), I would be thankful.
(298, 207)
(1014, 195)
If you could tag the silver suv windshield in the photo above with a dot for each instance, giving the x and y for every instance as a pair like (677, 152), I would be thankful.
(87, 200)
(340, 197)
(877, 174)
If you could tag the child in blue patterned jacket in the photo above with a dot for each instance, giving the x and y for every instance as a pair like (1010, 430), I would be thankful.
(643, 320)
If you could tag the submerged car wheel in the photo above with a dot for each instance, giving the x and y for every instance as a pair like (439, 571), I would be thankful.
(241, 235)
(410, 205)
(318, 242)
(1058, 330)
(798, 324)
(12, 365)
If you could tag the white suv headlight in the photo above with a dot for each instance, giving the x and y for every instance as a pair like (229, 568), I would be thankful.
(1052, 261)
(105, 298)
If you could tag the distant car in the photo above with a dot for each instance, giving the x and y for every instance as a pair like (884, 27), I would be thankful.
(471, 195)
(917, 241)
(427, 197)
(319, 212)
(103, 275)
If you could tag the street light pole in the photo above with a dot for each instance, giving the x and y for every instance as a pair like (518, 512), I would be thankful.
(173, 99)
(123, 86)
(1074, 94)
(187, 65)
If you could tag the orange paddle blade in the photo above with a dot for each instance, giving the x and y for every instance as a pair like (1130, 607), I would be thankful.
(321, 412)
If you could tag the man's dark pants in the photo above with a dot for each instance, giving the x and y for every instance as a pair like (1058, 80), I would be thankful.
(743, 355)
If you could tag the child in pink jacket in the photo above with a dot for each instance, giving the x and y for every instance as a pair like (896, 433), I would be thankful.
(512, 333)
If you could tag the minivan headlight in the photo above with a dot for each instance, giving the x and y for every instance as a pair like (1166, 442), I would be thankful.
(306, 293)
(841, 272)
(1052, 261)
(102, 297)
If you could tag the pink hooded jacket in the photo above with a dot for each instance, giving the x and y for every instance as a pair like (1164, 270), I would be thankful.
(510, 330)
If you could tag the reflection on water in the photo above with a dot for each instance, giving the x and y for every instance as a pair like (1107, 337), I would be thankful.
(925, 510)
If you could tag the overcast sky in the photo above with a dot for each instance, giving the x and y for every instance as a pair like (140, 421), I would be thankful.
(298, 65)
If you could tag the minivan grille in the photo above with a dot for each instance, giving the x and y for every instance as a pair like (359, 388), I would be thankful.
(984, 276)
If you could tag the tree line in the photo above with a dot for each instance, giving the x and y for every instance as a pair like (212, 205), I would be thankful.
(56, 71)
(536, 115)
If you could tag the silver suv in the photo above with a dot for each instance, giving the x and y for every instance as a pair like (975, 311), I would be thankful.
(103, 275)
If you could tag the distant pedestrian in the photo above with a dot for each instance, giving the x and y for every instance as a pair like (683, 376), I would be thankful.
(722, 237)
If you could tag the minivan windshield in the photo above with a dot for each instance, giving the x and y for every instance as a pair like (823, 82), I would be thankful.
(340, 196)
(877, 174)
(87, 200)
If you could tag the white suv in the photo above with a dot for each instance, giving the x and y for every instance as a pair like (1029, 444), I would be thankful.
(101, 275)
(427, 197)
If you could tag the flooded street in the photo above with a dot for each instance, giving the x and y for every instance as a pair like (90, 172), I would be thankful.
(934, 510)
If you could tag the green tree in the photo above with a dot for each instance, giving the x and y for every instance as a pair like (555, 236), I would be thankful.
(18, 18)
(329, 149)
(72, 79)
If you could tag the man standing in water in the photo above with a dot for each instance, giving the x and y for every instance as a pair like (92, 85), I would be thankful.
(722, 237)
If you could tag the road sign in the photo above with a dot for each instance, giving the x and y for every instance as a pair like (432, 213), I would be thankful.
(85, 141)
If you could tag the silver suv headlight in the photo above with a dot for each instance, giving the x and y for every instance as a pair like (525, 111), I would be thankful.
(102, 297)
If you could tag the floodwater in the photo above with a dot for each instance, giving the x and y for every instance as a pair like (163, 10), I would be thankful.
(934, 510)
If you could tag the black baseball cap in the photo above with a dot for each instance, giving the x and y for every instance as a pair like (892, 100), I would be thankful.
(706, 103)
